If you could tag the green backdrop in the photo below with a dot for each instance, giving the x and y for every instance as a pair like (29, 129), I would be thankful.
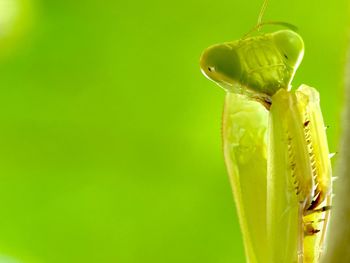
(110, 138)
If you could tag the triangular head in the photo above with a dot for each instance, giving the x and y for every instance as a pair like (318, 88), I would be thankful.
(255, 66)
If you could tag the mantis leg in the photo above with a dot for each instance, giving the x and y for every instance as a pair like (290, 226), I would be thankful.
(298, 178)
(244, 141)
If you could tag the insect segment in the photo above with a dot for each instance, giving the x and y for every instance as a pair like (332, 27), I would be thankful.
(277, 156)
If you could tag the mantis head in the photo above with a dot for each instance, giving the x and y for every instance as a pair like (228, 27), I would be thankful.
(261, 64)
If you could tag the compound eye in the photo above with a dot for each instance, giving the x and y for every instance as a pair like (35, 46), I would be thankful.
(290, 45)
(220, 63)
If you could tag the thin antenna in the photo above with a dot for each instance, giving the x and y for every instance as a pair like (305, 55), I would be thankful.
(261, 14)
(279, 23)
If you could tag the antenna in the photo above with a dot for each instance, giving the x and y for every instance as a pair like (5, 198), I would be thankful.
(261, 14)
(260, 23)
(279, 23)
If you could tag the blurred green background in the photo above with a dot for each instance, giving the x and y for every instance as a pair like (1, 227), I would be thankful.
(110, 147)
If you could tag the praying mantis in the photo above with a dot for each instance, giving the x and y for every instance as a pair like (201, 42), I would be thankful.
(275, 147)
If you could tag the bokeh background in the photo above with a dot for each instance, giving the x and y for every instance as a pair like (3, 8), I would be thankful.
(110, 147)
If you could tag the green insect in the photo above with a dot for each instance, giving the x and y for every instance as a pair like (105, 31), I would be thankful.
(275, 147)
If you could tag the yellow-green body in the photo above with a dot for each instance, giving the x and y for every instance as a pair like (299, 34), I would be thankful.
(245, 151)
(275, 147)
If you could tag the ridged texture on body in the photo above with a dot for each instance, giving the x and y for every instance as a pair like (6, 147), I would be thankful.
(318, 142)
(296, 148)
(322, 173)
(283, 203)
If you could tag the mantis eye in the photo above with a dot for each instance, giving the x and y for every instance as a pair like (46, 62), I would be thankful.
(291, 47)
(220, 63)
